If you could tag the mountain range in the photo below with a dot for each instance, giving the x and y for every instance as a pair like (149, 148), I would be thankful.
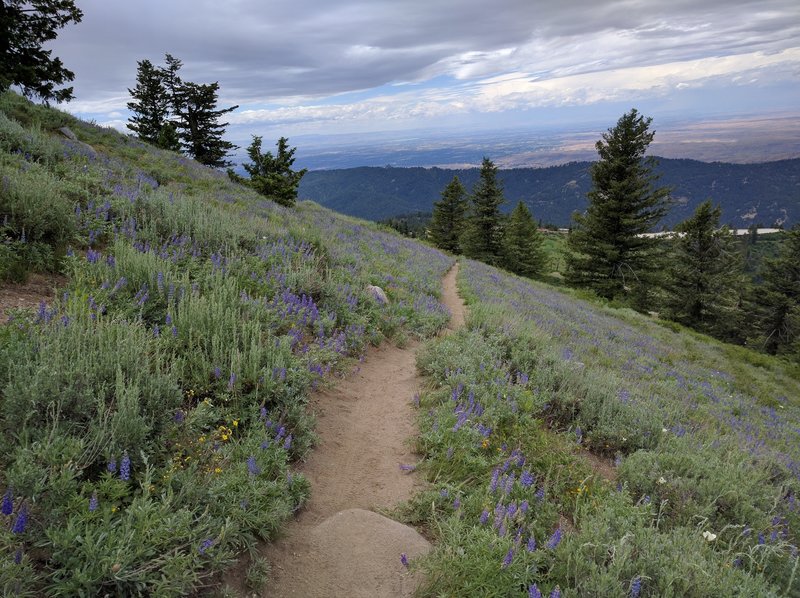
(766, 193)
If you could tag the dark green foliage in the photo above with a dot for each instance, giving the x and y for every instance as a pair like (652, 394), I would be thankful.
(151, 105)
(198, 124)
(174, 114)
(448, 217)
(272, 176)
(24, 28)
(483, 236)
(523, 252)
(609, 256)
(778, 299)
(414, 225)
(704, 275)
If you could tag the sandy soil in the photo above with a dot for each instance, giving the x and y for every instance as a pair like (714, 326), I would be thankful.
(38, 288)
(337, 546)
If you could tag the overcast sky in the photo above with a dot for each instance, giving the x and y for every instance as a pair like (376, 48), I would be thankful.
(345, 66)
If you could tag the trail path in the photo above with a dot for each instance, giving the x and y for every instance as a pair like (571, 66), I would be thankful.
(337, 546)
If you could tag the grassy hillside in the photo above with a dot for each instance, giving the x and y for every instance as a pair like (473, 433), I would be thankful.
(152, 409)
(596, 451)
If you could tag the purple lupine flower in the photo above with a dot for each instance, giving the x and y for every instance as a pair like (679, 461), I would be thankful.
(21, 522)
(156, 331)
(508, 558)
(554, 540)
(93, 502)
(18, 556)
(252, 466)
(527, 479)
(232, 381)
(578, 434)
(450, 453)
(205, 545)
(556, 593)
(457, 503)
(540, 494)
(636, 587)
(404, 559)
(112, 466)
(281, 432)
(125, 467)
(484, 517)
(531, 545)
(265, 444)
(533, 592)
(287, 444)
(444, 493)
(217, 372)
(760, 538)
(8, 503)
(495, 480)
(523, 506)
(179, 416)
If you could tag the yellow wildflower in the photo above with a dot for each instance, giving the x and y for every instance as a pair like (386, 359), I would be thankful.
(217, 470)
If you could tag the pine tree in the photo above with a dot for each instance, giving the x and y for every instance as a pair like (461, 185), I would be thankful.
(704, 275)
(272, 176)
(523, 252)
(168, 138)
(199, 129)
(151, 105)
(778, 299)
(24, 28)
(447, 222)
(483, 235)
(608, 254)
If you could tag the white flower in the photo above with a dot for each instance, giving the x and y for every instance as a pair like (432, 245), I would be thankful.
(664, 430)
(709, 536)
(661, 480)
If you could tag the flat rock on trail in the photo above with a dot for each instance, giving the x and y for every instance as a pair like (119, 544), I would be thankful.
(337, 546)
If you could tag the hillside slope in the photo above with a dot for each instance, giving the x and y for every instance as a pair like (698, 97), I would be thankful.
(748, 193)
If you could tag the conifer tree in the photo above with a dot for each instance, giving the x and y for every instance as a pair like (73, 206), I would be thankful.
(272, 176)
(199, 129)
(483, 235)
(608, 254)
(150, 105)
(522, 245)
(447, 222)
(704, 275)
(24, 28)
(778, 299)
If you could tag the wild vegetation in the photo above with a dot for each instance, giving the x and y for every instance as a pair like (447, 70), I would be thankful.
(152, 410)
(576, 450)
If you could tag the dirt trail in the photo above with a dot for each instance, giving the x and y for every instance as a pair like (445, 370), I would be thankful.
(337, 546)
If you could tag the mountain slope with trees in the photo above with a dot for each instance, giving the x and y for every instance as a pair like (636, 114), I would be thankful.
(747, 193)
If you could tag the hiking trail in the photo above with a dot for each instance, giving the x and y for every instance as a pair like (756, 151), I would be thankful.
(337, 546)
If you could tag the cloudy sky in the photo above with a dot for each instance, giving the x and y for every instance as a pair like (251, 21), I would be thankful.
(350, 66)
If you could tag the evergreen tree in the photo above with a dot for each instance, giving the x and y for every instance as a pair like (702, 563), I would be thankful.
(778, 299)
(199, 129)
(151, 103)
(608, 254)
(447, 222)
(272, 176)
(168, 138)
(24, 28)
(704, 275)
(483, 235)
(523, 252)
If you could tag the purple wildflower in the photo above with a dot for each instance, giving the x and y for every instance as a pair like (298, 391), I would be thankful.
(556, 593)
(636, 587)
(287, 444)
(508, 558)
(112, 466)
(540, 494)
(526, 479)
(554, 540)
(156, 331)
(8, 503)
(205, 545)
(18, 556)
(21, 522)
(93, 503)
(125, 467)
(531, 545)
(578, 435)
(457, 504)
(179, 416)
(533, 592)
(404, 559)
(252, 467)
(217, 372)
(523, 506)
(484, 517)
(232, 381)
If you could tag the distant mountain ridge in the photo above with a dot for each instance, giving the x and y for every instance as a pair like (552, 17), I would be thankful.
(764, 193)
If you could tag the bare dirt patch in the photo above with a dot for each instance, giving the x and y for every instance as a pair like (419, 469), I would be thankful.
(38, 288)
